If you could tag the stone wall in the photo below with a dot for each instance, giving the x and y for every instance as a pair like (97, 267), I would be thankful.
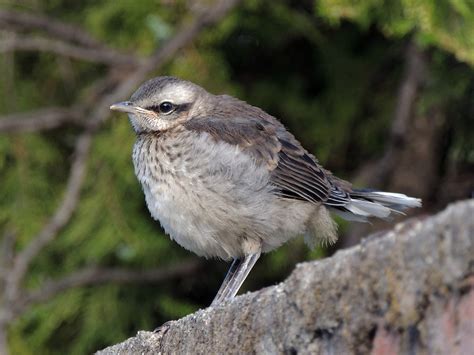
(409, 291)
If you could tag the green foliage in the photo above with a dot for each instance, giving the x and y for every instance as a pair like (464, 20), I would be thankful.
(445, 24)
(333, 86)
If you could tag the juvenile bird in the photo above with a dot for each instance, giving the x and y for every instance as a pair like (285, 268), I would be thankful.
(227, 180)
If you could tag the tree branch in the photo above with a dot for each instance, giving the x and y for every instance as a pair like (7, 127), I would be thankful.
(99, 276)
(413, 78)
(58, 220)
(11, 19)
(83, 143)
(183, 37)
(376, 174)
(99, 55)
(7, 246)
(46, 118)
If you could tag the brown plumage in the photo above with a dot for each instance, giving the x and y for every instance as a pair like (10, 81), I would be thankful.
(227, 180)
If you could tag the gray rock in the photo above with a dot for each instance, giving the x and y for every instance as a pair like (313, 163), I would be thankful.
(408, 291)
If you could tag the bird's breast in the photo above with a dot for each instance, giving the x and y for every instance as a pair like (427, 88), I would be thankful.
(207, 195)
(199, 189)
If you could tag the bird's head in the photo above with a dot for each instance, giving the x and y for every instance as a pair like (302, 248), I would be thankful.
(162, 103)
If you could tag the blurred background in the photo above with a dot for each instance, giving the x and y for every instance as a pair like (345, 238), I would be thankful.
(382, 92)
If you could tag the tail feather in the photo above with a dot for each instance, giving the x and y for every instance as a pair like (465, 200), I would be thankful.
(393, 200)
(367, 208)
(379, 204)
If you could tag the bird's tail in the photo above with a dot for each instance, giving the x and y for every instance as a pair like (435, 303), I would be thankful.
(368, 203)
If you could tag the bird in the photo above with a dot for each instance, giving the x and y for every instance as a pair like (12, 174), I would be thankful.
(227, 180)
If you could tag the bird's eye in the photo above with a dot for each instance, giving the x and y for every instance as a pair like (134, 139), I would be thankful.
(166, 107)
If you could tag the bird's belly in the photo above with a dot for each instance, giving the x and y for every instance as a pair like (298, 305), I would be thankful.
(187, 214)
(218, 226)
(215, 201)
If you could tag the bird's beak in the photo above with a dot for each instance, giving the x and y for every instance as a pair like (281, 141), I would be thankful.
(125, 106)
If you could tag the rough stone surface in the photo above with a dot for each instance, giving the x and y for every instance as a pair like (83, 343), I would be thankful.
(408, 291)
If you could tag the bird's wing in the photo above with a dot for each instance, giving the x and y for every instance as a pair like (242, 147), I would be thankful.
(295, 172)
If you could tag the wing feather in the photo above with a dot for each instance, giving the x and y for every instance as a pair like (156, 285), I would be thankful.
(295, 173)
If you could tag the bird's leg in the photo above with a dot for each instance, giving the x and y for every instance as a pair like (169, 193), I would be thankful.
(235, 277)
(230, 274)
